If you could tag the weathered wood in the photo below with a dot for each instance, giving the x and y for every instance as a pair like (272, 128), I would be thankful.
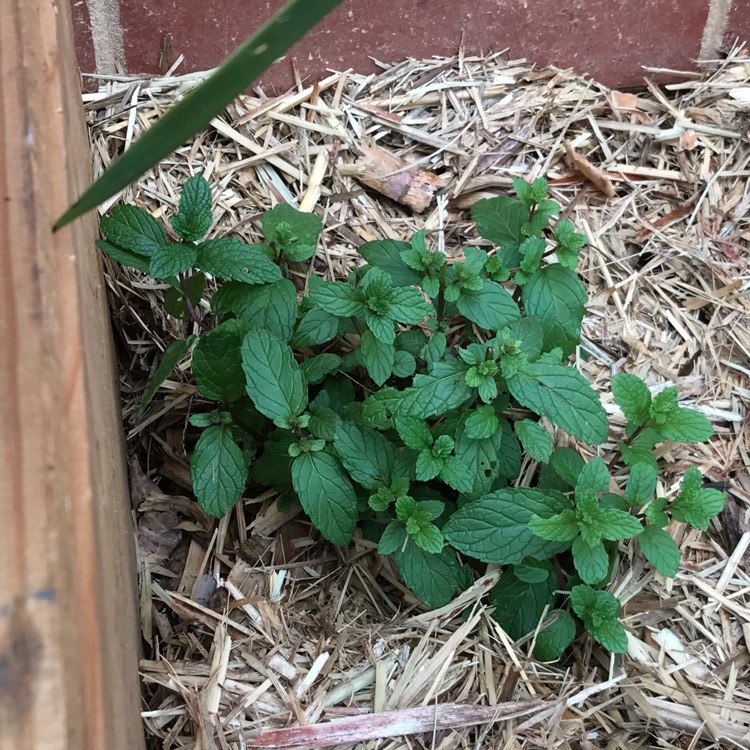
(68, 634)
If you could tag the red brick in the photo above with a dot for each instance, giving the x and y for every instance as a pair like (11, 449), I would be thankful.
(608, 39)
(82, 35)
(739, 24)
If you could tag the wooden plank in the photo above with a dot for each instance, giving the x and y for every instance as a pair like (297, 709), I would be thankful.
(68, 630)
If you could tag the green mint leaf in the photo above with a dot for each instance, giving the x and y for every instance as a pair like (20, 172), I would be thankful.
(660, 550)
(593, 477)
(490, 307)
(366, 454)
(429, 538)
(274, 466)
(562, 395)
(554, 638)
(633, 456)
(229, 298)
(473, 354)
(419, 241)
(481, 459)
(124, 257)
(271, 306)
(406, 507)
(539, 189)
(532, 249)
(404, 364)
(611, 635)
(394, 537)
(494, 528)
(569, 243)
(306, 445)
(428, 465)
(432, 577)
(409, 306)
(695, 504)
(203, 420)
(338, 298)
(411, 341)
(193, 219)
(562, 527)
(377, 357)
(613, 500)
(534, 439)
(686, 426)
(509, 458)
(218, 470)
(536, 225)
(524, 192)
(437, 393)
(500, 220)
(481, 423)
(323, 422)
(599, 611)
(174, 299)
(434, 348)
(556, 297)
(617, 524)
(387, 254)
(430, 286)
(317, 367)
(299, 253)
(591, 561)
(381, 327)
(532, 571)
(654, 512)
(641, 484)
(518, 605)
(217, 362)
(474, 260)
(326, 495)
(584, 600)
(415, 433)
(274, 380)
(456, 475)
(632, 396)
(567, 464)
(169, 360)
(379, 409)
(289, 229)
(171, 260)
(133, 229)
(663, 404)
(316, 327)
(433, 508)
(228, 258)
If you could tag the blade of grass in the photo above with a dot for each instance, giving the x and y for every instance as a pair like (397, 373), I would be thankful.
(197, 109)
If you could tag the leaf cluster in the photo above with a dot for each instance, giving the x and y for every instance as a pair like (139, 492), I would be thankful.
(404, 401)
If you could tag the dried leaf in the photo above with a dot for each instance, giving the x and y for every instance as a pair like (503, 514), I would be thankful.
(588, 170)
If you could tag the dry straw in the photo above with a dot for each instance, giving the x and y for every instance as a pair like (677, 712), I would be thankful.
(256, 628)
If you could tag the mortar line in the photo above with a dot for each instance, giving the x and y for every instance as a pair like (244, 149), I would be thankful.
(107, 36)
(715, 28)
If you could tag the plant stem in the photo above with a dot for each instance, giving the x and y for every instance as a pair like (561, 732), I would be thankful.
(628, 442)
(189, 304)
(441, 295)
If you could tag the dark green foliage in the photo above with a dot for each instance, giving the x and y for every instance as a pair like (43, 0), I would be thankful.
(409, 398)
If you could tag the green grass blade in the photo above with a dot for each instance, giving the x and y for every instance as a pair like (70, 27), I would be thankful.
(197, 109)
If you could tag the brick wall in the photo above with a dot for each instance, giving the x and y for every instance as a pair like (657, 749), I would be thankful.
(608, 39)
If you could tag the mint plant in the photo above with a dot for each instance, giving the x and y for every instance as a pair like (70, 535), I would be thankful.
(400, 403)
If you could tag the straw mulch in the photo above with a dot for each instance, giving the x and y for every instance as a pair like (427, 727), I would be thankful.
(253, 624)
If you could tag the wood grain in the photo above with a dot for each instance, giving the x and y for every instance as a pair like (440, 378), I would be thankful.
(68, 633)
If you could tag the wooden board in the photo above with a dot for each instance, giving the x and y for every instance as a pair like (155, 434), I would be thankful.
(68, 630)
